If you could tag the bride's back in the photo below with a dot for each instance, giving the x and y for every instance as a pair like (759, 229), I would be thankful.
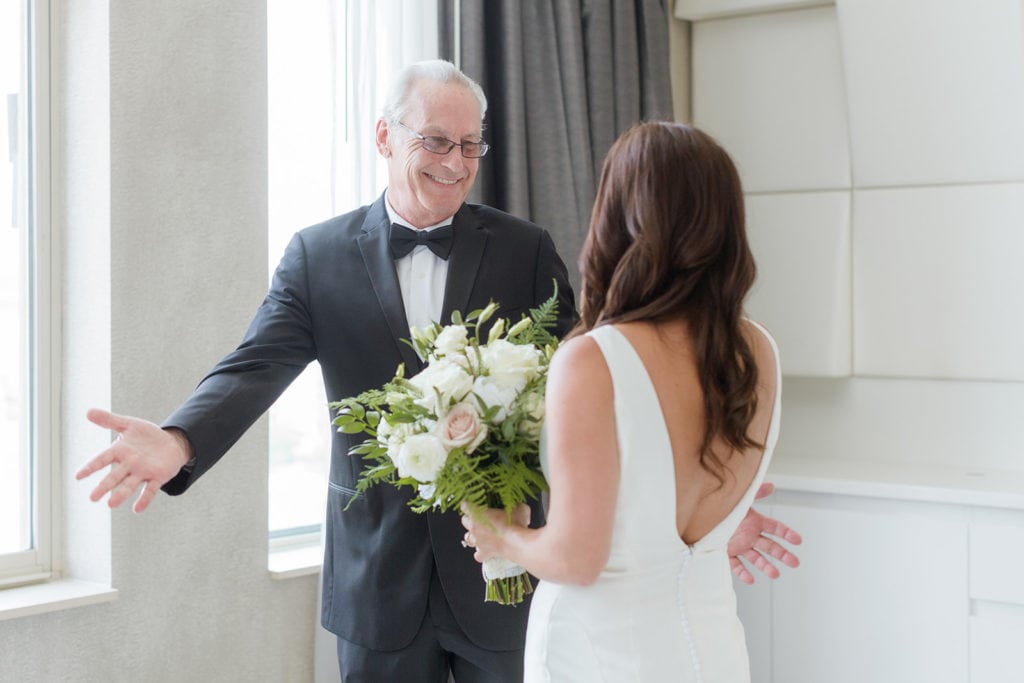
(667, 352)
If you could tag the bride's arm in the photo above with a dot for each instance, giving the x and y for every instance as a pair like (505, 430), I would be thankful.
(583, 473)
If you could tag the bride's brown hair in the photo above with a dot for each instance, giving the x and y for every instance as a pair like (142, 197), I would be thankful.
(667, 240)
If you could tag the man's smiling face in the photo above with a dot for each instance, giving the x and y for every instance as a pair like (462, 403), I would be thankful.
(425, 187)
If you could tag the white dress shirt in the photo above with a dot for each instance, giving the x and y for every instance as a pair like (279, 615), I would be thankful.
(421, 276)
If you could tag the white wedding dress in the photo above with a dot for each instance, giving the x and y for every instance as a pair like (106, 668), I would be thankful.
(661, 611)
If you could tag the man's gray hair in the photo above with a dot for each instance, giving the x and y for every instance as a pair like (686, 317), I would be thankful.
(396, 106)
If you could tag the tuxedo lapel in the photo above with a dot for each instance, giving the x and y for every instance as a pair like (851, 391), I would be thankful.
(470, 238)
(373, 245)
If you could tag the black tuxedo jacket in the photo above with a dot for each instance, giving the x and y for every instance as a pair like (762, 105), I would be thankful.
(335, 298)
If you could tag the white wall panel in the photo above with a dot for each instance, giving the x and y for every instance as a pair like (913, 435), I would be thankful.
(770, 88)
(935, 88)
(940, 425)
(801, 242)
(938, 282)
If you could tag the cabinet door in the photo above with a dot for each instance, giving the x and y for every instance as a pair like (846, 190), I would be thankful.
(881, 594)
(753, 604)
(997, 597)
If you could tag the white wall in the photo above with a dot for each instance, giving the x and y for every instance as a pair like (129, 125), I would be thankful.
(881, 150)
(161, 198)
(882, 155)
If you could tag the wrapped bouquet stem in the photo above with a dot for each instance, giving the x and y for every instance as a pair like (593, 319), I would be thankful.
(466, 429)
(507, 582)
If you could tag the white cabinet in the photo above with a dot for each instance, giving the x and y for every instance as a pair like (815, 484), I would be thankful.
(881, 595)
(997, 648)
(997, 596)
(894, 586)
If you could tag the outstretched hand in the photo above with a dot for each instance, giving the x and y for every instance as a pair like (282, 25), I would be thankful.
(143, 455)
(754, 541)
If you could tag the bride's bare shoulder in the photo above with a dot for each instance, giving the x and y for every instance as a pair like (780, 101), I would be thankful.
(577, 353)
(760, 339)
(578, 365)
(766, 355)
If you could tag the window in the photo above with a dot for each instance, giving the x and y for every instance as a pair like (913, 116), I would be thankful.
(328, 65)
(300, 121)
(25, 295)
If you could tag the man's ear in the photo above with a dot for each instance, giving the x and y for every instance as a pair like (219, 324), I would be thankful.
(383, 138)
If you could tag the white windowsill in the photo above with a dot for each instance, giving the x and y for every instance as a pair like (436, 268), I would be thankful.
(40, 598)
(289, 563)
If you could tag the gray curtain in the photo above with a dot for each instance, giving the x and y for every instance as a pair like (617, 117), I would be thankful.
(563, 79)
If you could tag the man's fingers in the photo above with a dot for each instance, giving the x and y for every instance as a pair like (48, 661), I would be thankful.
(766, 489)
(114, 476)
(120, 483)
(789, 559)
(106, 484)
(124, 485)
(785, 533)
(146, 497)
(95, 465)
(740, 571)
(762, 564)
(138, 460)
(107, 419)
(779, 553)
(776, 528)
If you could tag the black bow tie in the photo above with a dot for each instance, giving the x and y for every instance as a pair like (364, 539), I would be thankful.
(403, 239)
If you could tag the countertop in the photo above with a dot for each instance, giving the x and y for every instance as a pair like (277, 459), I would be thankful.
(899, 481)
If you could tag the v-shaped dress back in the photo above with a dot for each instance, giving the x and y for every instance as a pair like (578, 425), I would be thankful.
(661, 610)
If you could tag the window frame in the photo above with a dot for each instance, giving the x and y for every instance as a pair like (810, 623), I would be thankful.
(40, 378)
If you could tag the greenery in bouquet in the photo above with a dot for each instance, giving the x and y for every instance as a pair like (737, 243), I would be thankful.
(467, 427)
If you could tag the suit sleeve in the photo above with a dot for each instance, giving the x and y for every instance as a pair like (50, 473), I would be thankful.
(244, 384)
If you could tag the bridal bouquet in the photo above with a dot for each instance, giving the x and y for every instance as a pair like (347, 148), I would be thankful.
(466, 428)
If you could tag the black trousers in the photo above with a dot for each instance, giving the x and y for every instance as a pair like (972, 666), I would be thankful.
(439, 650)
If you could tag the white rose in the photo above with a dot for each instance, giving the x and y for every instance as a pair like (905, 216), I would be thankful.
(514, 364)
(393, 436)
(442, 377)
(533, 405)
(461, 426)
(384, 431)
(494, 392)
(468, 359)
(421, 457)
(451, 340)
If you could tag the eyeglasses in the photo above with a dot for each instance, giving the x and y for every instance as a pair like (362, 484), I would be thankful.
(440, 145)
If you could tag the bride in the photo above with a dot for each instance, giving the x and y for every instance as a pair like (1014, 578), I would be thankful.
(662, 412)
